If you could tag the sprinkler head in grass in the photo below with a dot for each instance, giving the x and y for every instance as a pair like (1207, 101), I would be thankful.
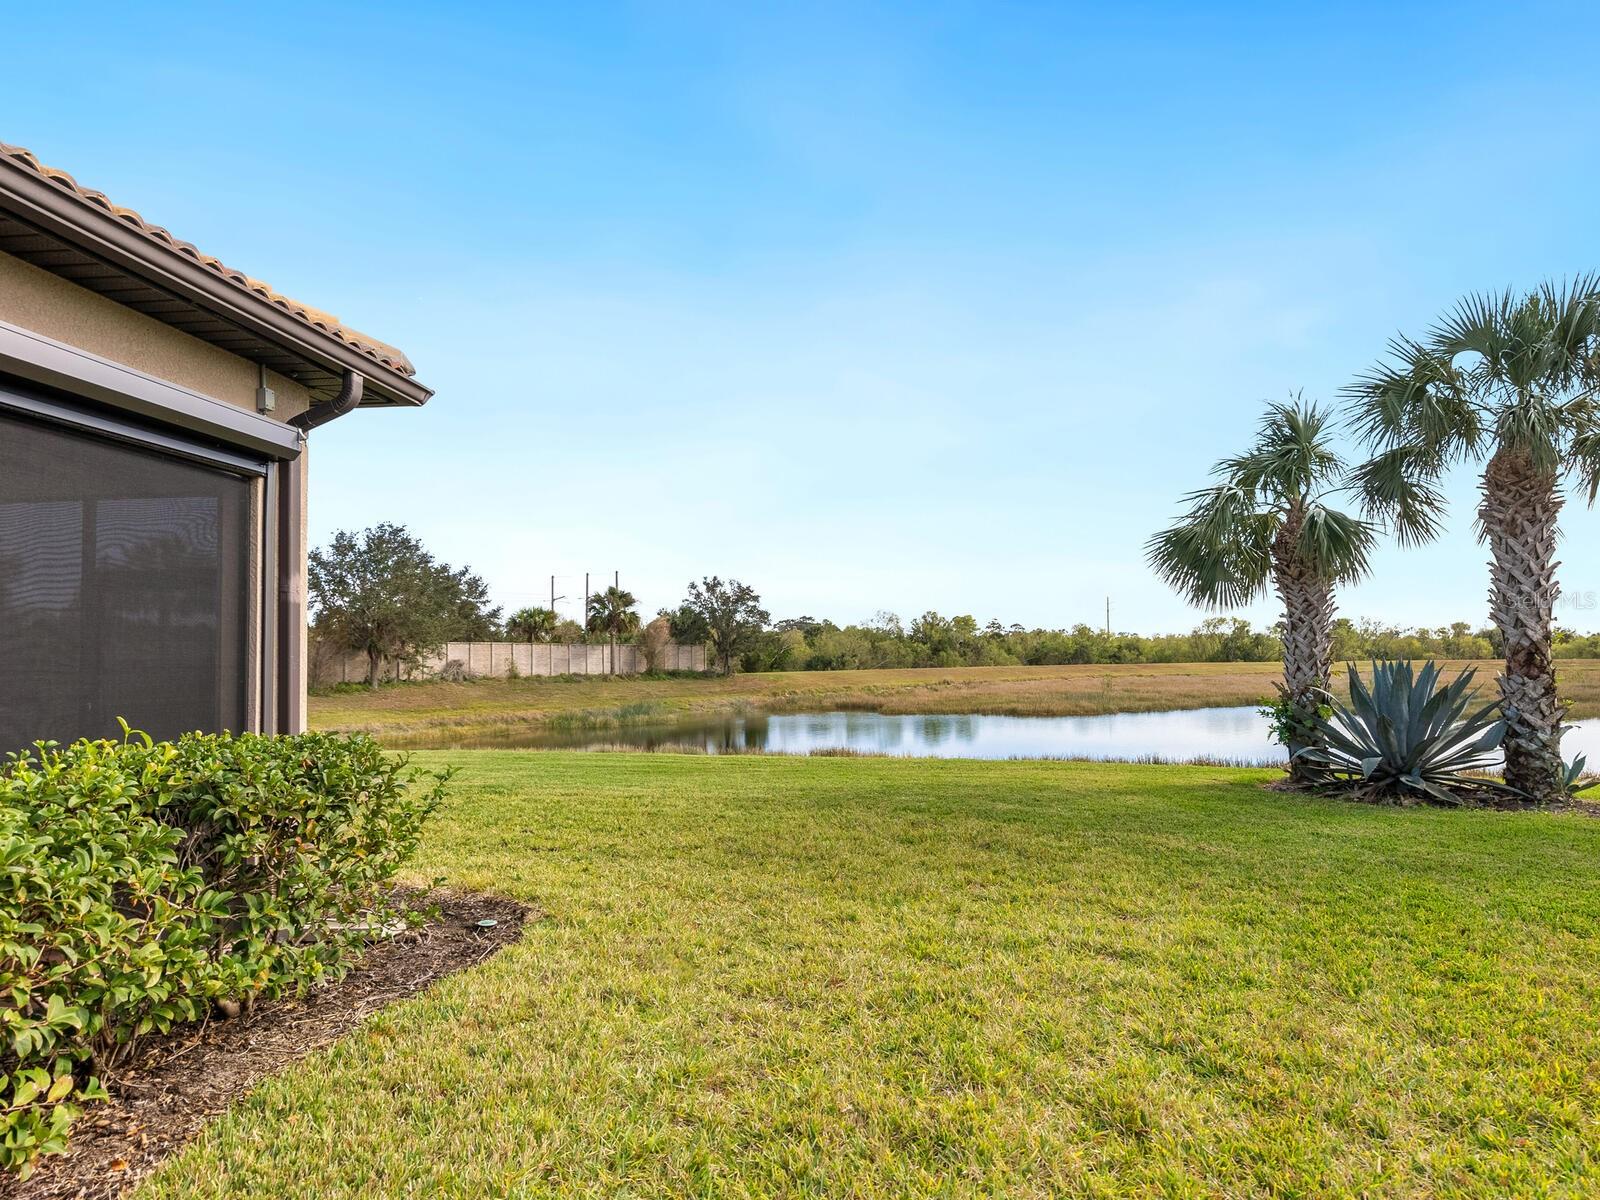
(488, 923)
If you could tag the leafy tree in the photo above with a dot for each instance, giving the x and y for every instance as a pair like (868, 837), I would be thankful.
(933, 631)
(949, 641)
(793, 650)
(1267, 524)
(805, 626)
(532, 624)
(475, 620)
(1353, 641)
(611, 612)
(1508, 380)
(732, 614)
(775, 650)
(380, 593)
(887, 623)
(688, 626)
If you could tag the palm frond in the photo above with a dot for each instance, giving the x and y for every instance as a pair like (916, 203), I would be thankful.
(1292, 454)
(1218, 554)
(1573, 339)
(1336, 544)
(1499, 367)
(1416, 397)
(1537, 427)
(1399, 488)
(1585, 449)
(1480, 323)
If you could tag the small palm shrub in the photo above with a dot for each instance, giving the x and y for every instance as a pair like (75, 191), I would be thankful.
(1407, 740)
(143, 882)
(1292, 720)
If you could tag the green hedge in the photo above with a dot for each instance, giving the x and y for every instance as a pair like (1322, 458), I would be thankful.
(143, 882)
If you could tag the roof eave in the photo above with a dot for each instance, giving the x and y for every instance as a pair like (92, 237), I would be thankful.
(120, 245)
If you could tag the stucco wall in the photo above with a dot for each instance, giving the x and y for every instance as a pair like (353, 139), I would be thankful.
(47, 304)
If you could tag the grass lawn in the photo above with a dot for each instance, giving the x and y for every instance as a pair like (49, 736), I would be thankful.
(887, 978)
(411, 712)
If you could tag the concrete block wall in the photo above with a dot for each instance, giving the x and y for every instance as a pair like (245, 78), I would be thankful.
(481, 660)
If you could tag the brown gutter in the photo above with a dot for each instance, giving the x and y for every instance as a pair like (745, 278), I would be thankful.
(124, 247)
(348, 399)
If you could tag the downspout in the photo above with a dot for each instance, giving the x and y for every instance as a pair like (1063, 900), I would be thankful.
(320, 414)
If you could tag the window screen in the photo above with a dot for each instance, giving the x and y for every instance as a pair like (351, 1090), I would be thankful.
(124, 588)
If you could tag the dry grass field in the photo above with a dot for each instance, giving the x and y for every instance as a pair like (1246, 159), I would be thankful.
(411, 711)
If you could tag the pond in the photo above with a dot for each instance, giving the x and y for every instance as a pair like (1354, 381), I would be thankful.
(1226, 735)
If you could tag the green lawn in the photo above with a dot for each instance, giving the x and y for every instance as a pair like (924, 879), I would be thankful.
(886, 978)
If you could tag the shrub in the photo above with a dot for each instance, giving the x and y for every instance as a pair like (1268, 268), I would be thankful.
(143, 882)
(653, 641)
(1291, 725)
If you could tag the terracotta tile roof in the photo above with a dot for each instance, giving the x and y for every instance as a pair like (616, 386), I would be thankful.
(378, 351)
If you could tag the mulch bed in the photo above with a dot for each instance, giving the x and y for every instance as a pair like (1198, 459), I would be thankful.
(1583, 806)
(180, 1082)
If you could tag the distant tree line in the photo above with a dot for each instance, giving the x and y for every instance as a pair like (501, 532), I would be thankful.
(932, 640)
(380, 593)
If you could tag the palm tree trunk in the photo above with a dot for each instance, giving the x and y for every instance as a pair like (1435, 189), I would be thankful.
(1519, 510)
(1308, 608)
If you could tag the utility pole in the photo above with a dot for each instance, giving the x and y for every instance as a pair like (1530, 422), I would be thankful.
(584, 620)
(1108, 616)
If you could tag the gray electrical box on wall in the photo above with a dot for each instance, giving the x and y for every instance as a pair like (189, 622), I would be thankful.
(266, 398)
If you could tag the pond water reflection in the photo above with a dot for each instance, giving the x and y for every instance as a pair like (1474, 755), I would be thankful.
(1229, 735)
(1225, 734)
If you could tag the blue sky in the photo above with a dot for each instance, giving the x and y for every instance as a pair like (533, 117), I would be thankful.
(876, 307)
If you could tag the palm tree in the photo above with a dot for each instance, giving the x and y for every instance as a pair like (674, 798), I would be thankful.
(1509, 380)
(611, 612)
(531, 624)
(1267, 524)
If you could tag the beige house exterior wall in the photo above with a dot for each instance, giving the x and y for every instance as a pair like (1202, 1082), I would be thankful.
(36, 300)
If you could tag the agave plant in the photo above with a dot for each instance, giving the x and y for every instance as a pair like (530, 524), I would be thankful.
(1575, 776)
(1407, 739)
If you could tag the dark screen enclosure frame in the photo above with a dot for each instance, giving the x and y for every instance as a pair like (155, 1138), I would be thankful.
(187, 632)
